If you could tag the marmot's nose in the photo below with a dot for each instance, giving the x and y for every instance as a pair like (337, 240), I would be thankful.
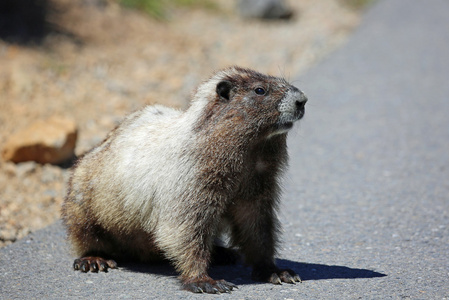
(301, 102)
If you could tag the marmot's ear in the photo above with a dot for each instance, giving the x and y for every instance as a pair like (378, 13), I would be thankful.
(224, 89)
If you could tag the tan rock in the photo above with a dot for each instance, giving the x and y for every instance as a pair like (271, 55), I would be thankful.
(50, 141)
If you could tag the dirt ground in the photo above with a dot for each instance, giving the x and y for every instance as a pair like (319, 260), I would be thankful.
(112, 60)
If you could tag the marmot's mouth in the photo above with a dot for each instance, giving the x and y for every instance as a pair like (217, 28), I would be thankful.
(281, 128)
(286, 125)
(287, 119)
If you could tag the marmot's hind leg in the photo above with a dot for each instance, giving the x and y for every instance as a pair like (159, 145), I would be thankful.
(97, 257)
(92, 243)
(96, 251)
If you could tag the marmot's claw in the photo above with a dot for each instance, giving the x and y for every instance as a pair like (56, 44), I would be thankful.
(274, 278)
(277, 276)
(209, 286)
(93, 264)
(289, 276)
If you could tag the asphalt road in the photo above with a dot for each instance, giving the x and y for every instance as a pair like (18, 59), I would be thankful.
(366, 204)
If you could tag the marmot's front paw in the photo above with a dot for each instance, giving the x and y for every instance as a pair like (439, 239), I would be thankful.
(208, 285)
(94, 264)
(276, 276)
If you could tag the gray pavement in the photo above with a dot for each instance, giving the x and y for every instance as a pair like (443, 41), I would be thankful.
(366, 203)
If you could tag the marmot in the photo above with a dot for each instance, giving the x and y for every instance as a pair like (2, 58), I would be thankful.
(166, 184)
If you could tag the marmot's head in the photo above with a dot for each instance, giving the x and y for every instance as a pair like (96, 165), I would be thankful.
(244, 101)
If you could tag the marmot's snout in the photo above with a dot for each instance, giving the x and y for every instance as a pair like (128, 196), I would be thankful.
(292, 107)
(300, 105)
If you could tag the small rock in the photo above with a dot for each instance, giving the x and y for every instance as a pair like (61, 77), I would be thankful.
(51, 141)
(50, 173)
(25, 168)
(8, 235)
(265, 9)
(9, 168)
(50, 193)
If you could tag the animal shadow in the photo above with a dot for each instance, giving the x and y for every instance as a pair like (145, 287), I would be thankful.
(308, 271)
(241, 274)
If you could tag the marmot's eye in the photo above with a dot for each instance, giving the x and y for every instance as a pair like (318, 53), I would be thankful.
(259, 91)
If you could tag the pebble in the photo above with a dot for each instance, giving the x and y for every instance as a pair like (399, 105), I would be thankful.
(50, 174)
(8, 235)
(25, 168)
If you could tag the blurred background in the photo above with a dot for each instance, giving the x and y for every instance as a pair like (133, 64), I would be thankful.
(71, 69)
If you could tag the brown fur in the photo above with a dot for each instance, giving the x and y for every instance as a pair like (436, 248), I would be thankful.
(175, 196)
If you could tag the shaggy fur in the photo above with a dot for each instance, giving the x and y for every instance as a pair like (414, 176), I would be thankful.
(165, 183)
